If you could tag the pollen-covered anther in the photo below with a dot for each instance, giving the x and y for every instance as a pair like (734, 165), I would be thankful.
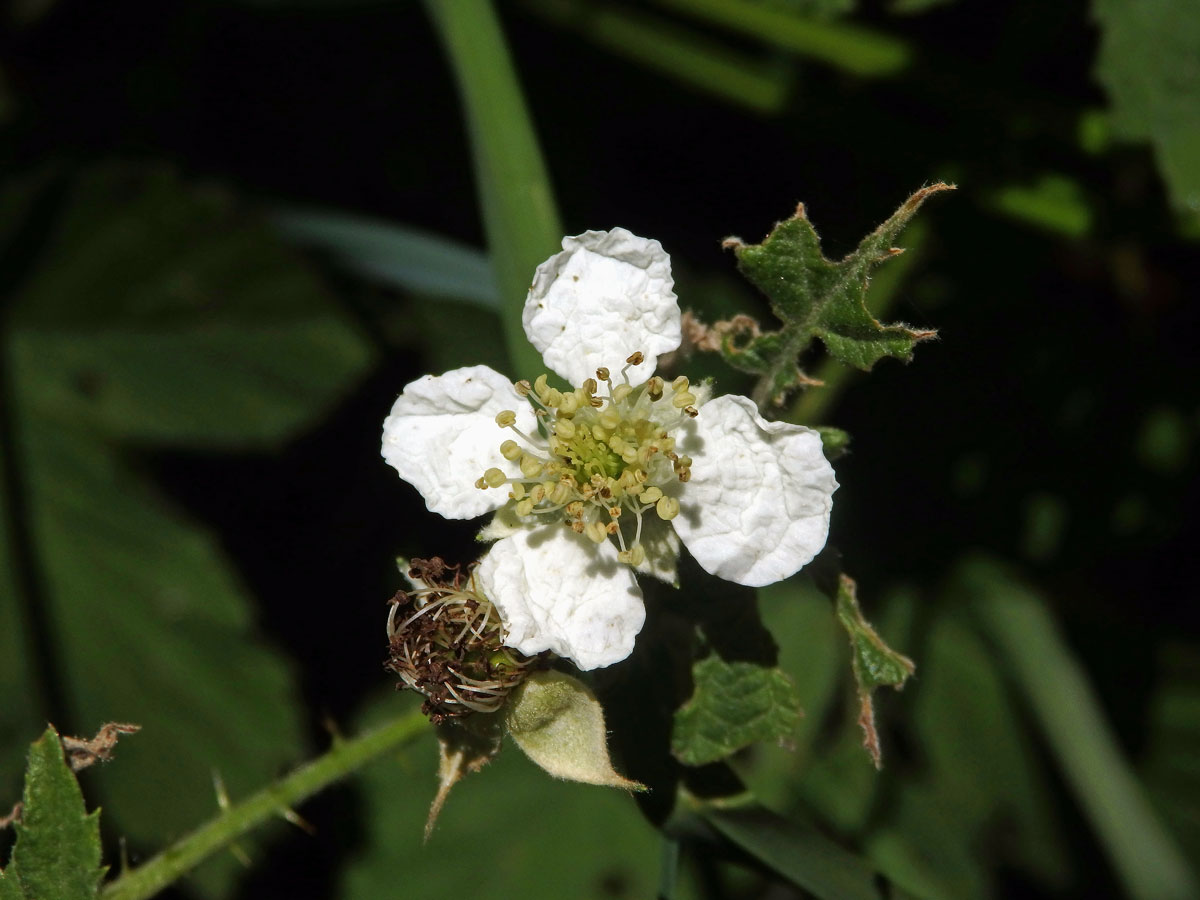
(667, 508)
(531, 466)
(634, 556)
(654, 388)
(565, 429)
(517, 492)
(614, 512)
(525, 507)
(597, 531)
(621, 393)
(505, 418)
(683, 399)
(494, 477)
(511, 450)
(523, 388)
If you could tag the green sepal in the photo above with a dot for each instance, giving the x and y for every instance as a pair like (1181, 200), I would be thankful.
(57, 853)
(754, 355)
(875, 664)
(735, 704)
(816, 297)
(834, 441)
(559, 724)
(464, 746)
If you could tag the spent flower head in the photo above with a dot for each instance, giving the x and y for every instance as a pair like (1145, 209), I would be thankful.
(446, 642)
(612, 472)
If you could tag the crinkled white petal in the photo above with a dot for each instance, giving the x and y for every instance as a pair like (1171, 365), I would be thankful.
(556, 590)
(607, 295)
(757, 506)
(442, 436)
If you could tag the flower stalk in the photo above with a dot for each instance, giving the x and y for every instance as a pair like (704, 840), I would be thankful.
(342, 759)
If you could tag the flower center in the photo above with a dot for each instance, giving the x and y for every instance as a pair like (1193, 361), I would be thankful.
(601, 452)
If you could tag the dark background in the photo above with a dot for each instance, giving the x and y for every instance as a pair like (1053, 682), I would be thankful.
(1058, 352)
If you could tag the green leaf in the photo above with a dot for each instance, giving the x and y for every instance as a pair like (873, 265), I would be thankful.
(395, 255)
(157, 313)
(735, 704)
(1054, 202)
(815, 297)
(162, 313)
(875, 664)
(805, 857)
(57, 854)
(509, 830)
(1147, 63)
(559, 724)
(519, 214)
(1141, 850)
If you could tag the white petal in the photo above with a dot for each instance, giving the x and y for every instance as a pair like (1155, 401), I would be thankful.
(607, 295)
(556, 590)
(757, 506)
(442, 436)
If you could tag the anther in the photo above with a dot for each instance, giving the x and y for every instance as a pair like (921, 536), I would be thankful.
(620, 392)
(531, 466)
(523, 388)
(680, 384)
(511, 450)
(525, 507)
(667, 508)
(654, 387)
(596, 531)
(494, 477)
(506, 417)
(683, 398)
(602, 373)
(636, 358)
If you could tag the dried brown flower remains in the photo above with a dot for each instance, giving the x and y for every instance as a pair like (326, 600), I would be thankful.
(446, 642)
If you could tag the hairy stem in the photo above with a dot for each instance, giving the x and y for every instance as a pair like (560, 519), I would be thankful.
(342, 759)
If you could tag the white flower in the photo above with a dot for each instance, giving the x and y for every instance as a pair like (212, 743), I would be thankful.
(630, 464)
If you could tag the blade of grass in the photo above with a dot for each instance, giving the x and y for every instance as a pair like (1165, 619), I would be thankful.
(395, 255)
(1143, 853)
(704, 64)
(805, 857)
(341, 760)
(850, 47)
(519, 214)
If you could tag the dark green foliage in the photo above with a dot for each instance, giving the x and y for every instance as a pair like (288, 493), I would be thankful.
(814, 297)
(735, 704)
(57, 854)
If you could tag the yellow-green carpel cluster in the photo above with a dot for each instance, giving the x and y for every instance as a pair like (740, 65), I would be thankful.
(601, 457)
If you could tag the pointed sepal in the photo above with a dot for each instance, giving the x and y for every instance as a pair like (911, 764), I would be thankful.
(816, 297)
(875, 664)
(559, 724)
